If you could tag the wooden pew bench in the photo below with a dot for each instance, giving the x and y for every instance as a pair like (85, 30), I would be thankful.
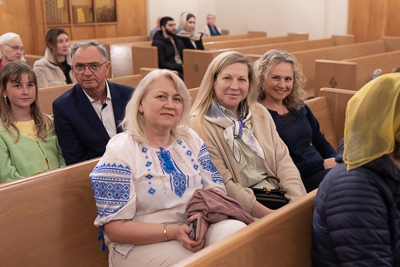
(196, 61)
(308, 57)
(30, 59)
(47, 220)
(282, 238)
(352, 74)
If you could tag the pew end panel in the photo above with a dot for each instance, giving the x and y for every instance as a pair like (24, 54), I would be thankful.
(392, 43)
(282, 238)
(30, 59)
(48, 220)
(343, 39)
(337, 101)
(321, 110)
(195, 65)
(131, 80)
(334, 74)
(144, 57)
(294, 36)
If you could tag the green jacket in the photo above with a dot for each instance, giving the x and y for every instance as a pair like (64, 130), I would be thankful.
(27, 156)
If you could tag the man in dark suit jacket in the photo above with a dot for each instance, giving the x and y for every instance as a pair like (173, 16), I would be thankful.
(88, 115)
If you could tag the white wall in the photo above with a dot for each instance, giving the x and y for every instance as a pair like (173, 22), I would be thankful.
(319, 18)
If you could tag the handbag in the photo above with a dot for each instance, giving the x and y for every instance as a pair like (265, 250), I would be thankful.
(269, 194)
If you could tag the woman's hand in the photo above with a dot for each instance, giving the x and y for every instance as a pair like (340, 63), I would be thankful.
(259, 210)
(181, 233)
(329, 163)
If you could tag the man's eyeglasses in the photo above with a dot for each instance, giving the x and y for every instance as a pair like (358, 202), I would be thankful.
(16, 48)
(80, 68)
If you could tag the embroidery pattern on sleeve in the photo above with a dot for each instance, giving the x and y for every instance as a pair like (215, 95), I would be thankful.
(111, 187)
(206, 163)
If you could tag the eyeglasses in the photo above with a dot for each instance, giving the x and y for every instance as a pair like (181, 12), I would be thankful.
(16, 48)
(80, 68)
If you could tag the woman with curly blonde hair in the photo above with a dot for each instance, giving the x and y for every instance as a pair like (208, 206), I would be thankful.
(280, 90)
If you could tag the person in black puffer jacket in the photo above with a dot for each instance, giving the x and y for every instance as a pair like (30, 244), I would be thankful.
(357, 207)
(169, 47)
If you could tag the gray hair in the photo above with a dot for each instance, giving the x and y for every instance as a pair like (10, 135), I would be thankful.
(84, 45)
(6, 38)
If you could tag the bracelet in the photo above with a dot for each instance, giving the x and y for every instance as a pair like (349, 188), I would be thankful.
(165, 232)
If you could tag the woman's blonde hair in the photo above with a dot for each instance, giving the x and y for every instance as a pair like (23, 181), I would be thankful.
(264, 66)
(207, 93)
(12, 72)
(133, 122)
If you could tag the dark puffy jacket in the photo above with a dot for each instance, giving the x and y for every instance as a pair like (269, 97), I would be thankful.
(166, 51)
(357, 215)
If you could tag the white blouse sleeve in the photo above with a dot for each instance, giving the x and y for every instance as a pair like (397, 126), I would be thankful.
(112, 184)
(209, 173)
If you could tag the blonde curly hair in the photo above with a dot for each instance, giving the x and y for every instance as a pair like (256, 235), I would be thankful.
(264, 65)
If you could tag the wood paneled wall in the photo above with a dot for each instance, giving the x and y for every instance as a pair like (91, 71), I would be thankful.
(27, 18)
(371, 19)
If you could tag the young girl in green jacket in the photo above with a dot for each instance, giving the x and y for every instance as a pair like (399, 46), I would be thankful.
(28, 141)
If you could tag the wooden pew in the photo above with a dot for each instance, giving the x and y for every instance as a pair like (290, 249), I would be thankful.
(48, 95)
(353, 73)
(196, 62)
(47, 220)
(30, 59)
(282, 238)
(115, 40)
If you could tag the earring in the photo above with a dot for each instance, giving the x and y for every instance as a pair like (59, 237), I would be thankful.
(5, 99)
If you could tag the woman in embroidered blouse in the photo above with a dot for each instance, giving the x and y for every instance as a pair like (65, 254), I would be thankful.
(147, 176)
(280, 88)
(190, 38)
(55, 68)
(240, 134)
(28, 141)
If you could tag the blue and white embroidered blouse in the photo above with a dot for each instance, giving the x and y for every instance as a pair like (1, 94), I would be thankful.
(147, 184)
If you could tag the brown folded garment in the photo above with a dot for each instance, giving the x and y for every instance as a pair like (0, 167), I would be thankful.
(215, 206)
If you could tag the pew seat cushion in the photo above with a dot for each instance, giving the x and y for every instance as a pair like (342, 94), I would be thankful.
(356, 219)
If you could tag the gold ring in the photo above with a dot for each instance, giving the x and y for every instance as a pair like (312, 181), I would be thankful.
(188, 247)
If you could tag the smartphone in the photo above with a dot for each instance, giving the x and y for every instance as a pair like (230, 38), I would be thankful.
(195, 226)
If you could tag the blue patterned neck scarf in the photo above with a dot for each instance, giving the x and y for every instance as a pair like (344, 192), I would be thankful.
(235, 129)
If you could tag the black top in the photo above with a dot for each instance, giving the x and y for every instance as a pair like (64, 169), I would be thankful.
(188, 43)
(166, 51)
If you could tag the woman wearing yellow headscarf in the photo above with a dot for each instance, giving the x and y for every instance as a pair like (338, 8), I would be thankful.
(357, 207)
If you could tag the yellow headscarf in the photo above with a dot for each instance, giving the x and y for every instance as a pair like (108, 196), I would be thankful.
(372, 121)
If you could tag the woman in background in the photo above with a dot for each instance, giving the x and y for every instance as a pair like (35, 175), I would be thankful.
(280, 90)
(28, 141)
(11, 48)
(357, 207)
(190, 38)
(55, 68)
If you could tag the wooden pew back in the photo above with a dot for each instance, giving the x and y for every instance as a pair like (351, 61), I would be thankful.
(116, 40)
(354, 73)
(30, 59)
(48, 220)
(196, 62)
(282, 238)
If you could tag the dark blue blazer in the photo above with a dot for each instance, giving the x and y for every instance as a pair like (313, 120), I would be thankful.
(80, 132)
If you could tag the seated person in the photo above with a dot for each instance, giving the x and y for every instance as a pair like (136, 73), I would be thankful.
(86, 116)
(11, 48)
(211, 29)
(28, 141)
(156, 29)
(280, 90)
(148, 175)
(357, 211)
(55, 68)
(169, 47)
(187, 34)
(240, 133)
